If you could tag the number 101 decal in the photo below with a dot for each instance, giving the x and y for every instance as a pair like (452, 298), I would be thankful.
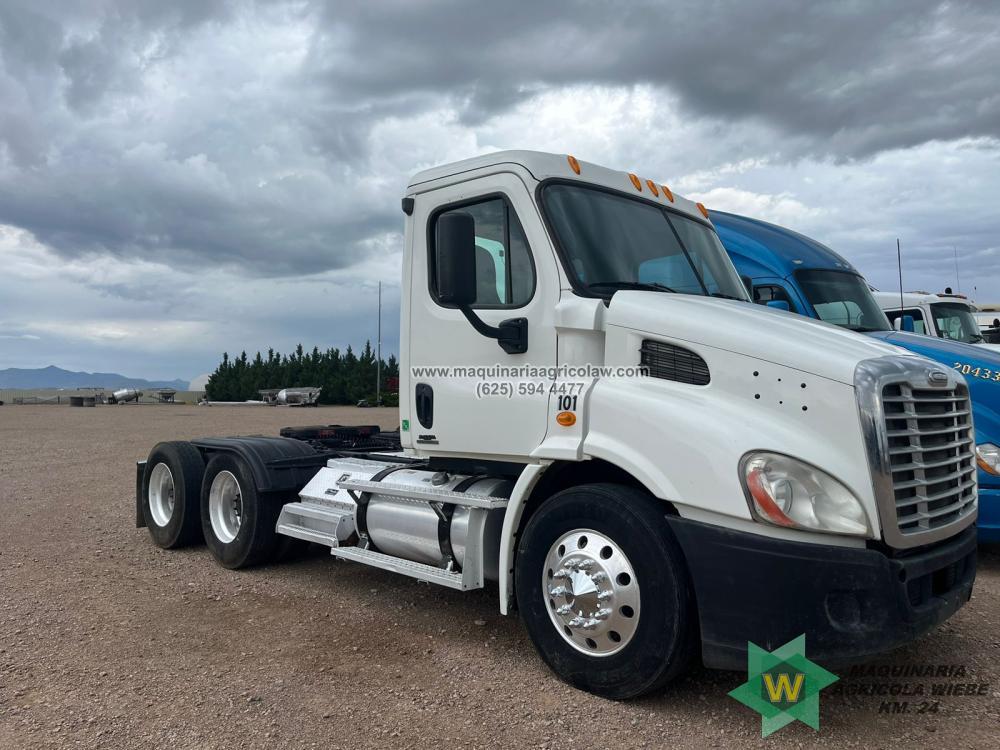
(567, 403)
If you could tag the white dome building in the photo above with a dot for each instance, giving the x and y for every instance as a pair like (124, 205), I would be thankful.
(199, 383)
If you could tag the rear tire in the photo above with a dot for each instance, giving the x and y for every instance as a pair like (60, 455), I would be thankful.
(237, 520)
(603, 590)
(171, 511)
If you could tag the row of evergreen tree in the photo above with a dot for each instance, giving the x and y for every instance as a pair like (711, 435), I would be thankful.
(346, 378)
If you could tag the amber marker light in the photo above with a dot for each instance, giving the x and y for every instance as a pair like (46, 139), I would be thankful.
(636, 181)
(566, 418)
(704, 211)
(666, 192)
(573, 163)
(652, 187)
(757, 484)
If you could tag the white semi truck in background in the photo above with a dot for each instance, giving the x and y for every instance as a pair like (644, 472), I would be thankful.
(947, 316)
(761, 476)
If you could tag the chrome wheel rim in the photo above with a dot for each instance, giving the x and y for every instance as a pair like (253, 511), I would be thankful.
(161, 494)
(225, 506)
(591, 591)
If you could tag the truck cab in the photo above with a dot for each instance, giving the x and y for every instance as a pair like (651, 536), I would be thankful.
(947, 316)
(988, 317)
(814, 281)
(593, 416)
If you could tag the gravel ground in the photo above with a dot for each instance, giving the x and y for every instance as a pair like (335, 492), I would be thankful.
(108, 641)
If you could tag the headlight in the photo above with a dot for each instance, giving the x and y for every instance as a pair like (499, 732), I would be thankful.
(988, 458)
(786, 492)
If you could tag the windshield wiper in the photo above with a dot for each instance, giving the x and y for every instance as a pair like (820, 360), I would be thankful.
(723, 295)
(653, 286)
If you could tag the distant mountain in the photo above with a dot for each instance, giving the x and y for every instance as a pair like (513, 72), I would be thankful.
(56, 377)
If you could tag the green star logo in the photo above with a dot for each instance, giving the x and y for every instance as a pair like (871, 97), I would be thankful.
(783, 685)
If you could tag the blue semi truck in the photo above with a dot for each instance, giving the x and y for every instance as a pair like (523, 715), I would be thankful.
(791, 271)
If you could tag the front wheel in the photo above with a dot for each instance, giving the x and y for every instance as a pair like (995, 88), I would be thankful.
(238, 521)
(603, 591)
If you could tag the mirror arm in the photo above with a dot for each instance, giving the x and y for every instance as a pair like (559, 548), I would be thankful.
(511, 334)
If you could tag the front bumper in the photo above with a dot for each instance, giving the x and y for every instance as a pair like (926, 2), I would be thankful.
(989, 512)
(851, 603)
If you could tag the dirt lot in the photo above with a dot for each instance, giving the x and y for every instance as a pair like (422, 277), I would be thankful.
(107, 641)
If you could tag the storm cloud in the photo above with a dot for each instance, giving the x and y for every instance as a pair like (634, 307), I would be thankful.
(165, 160)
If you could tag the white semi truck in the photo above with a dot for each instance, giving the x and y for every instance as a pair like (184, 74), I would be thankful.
(947, 316)
(763, 475)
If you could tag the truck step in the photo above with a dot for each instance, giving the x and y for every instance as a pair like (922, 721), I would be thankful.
(428, 494)
(314, 522)
(420, 571)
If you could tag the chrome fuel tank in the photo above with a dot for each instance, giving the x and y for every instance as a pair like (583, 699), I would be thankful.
(411, 529)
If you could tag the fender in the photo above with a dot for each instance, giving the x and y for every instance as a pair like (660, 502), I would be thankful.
(508, 535)
(278, 464)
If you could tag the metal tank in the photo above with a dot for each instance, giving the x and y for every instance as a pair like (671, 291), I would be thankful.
(123, 395)
(297, 396)
(410, 528)
(402, 527)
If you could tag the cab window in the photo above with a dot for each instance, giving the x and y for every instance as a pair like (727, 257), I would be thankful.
(505, 276)
(765, 293)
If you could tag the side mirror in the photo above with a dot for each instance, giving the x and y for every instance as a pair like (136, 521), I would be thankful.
(906, 324)
(455, 263)
(779, 304)
(456, 259)
(748, 283)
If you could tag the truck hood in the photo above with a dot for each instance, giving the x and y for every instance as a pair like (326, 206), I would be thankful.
(752, 330)
(980, 366)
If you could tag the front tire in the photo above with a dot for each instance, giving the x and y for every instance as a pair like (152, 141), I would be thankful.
(171, 488)
(237, 520)
(603, 591)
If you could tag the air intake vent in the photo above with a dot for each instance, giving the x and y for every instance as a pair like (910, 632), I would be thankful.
(673, 363)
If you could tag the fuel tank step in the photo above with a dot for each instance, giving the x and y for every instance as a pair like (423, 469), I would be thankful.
(420, 571)
(316, 522)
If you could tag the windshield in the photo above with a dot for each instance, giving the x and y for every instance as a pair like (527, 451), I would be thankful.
(612, 242)
(843, 299)
(954, 321)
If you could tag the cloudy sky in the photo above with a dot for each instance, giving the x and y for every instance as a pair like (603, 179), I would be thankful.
(182, 178)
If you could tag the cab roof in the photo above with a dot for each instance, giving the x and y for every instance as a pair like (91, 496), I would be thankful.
(914, 299)
(760, 249)
(543, 166)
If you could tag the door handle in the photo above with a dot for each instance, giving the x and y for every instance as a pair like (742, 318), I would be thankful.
(424, 397)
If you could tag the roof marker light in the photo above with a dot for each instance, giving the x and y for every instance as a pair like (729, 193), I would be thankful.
(573, 163)
(666, 192)
(704, 211)
(652, 186)
(636, 181)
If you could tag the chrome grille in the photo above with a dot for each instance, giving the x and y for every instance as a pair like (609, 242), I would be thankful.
(931, 455)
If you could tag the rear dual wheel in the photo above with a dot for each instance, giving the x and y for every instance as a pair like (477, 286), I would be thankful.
(237, 520)
(171, 488)
(185, 502)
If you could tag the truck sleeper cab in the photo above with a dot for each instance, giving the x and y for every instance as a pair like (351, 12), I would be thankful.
(591, 417)
(816, 282)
